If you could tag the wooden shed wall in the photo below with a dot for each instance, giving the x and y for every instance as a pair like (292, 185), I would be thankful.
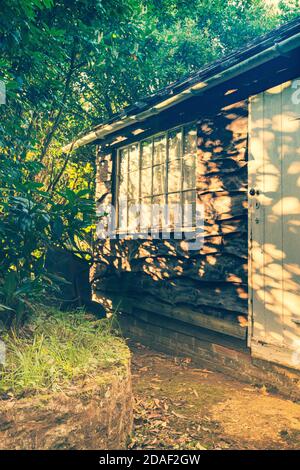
(207, 287)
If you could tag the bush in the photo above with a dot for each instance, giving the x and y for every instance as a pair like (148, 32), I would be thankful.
(31, 221)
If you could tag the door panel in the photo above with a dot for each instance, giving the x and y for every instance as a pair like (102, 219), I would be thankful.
(274, 225)
(291, 216)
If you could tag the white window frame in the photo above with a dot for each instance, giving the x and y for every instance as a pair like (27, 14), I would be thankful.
(166, 193)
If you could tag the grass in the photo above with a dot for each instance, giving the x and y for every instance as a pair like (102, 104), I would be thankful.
(56, 348)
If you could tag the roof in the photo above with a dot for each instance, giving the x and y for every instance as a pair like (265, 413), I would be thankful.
(277, 42)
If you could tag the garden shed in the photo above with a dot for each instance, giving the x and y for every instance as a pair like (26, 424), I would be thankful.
(226, 140)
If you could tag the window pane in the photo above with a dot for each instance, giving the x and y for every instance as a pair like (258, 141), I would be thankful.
(174, 176)
(123, 161)
(190, 140)
(146, 182)
(133, 185)
(174, 210)
(123, 180)
(159, 179)
(189, 172)
(158, 212)
(146, 210)
(133, 215)
(133, 158)
(174, 143)
(122, 213)
(189, 208)
(146, 153)
(160, 151)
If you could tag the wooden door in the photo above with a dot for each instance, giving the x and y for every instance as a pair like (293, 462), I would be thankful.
(274, 224)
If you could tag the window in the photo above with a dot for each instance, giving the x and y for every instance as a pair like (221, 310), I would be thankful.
(157, 172)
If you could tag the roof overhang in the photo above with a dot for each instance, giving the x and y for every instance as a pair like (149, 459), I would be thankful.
(279, 48)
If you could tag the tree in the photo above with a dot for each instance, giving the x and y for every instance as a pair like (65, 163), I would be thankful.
(69, 64)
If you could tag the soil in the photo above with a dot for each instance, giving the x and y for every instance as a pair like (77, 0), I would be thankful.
(94, 412)
(180, 407)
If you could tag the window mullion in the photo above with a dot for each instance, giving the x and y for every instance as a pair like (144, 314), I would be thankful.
(140, 178)
(117, 189)
(127, 175)
(166, 198)
(181, 171)
(152, 161)
(151, 191)
(167, 168)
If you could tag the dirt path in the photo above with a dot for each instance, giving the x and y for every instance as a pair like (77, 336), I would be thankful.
(180, 407)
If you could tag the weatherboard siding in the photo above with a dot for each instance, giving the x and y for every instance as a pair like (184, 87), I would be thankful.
(205, 287)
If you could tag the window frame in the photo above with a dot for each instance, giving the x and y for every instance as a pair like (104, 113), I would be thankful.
(165, 194)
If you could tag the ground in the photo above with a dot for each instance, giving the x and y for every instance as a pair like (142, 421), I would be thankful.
(178, 406)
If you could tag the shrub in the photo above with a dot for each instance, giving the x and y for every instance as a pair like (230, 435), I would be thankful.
(32, 220)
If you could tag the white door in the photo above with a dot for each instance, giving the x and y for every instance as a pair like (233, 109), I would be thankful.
(274, 224)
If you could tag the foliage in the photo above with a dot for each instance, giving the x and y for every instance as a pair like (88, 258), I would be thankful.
(31, 220)
(47, 49)
(68, 64)
(57, 348)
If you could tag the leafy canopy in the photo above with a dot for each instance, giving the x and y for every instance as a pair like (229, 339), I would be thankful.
(68, 64)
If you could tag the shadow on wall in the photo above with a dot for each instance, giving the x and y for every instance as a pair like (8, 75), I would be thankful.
(212, 280)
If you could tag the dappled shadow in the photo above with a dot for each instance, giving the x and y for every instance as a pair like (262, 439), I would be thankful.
(178, 406)
(164, 276)
(275, 213)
